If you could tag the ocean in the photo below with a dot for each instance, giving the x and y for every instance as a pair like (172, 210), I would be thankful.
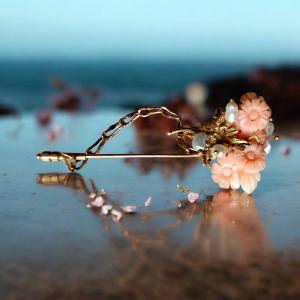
(26, 86)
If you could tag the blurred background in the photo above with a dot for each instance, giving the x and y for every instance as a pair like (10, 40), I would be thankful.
(86, 55)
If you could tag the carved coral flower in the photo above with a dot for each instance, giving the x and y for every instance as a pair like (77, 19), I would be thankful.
(225, 171)
(239, 169)
(253, 158)
(253, 114)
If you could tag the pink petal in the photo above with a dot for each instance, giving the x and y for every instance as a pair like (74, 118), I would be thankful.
(248, 96)
(98, 202)
(257, 177)
(255, 103)
(246, 106)
(57, 128)
(248, 182)
(92, 195)
(235, 183)
(266, 114)
(241, 115)
(216, 169)
(148, 202)
(192, 197)
(285, 151)
(129, 209)
(224, 184)
(261, 123)
(117, 215)
(106, 209)
(217, 177)
(244, 124)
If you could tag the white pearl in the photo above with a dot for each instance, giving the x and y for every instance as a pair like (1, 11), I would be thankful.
(231, 111)
(267, 148)
(199, 141)
(270, 129)
(219, 149)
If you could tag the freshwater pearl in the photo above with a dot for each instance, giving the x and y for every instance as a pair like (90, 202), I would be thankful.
(267, 147)
(231, 111)
(219, 149)
(270, 129)
(199, 141)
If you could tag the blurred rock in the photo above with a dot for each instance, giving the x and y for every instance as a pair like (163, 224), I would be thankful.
(58, 84)
(68, 101)
(6, 110)
(280, 87)
(44, 118)
(72, 99)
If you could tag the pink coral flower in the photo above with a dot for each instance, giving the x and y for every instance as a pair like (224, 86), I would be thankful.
(253, 158)
(225, 171)
(253, 115)
(239, 169)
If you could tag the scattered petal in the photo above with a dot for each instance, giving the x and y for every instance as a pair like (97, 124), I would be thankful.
(285, 151)
(98, 202)
(106, 209)
(129, 209)
(51, 136)
(57, 128)
(192, 197)
(182, 189)
(92, 195)
(117, 215)
(54, 133)
(148, 202)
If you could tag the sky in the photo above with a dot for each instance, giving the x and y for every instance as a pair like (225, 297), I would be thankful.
(257, 30)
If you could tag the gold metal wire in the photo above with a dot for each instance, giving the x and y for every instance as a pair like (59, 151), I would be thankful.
(75, 161)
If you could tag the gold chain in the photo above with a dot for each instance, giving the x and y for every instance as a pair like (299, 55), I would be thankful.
(127, 120)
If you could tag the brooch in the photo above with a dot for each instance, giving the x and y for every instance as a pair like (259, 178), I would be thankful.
(233, 145)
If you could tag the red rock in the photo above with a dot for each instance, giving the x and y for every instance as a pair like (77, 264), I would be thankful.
(44, 118)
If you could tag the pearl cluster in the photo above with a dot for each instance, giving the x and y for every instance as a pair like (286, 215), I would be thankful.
(269, 132)
(199, 143)
(231, 112)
